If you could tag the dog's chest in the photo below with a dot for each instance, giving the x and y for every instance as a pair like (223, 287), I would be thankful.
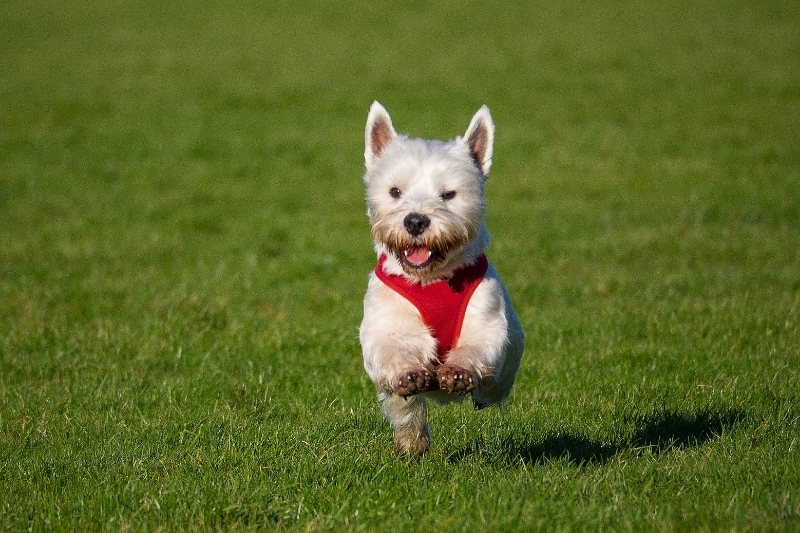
(441, 304)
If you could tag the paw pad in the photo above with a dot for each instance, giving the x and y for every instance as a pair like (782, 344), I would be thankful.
(456, 380)
(414, 381)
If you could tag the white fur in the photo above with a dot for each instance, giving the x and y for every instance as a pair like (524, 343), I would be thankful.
(394, 339)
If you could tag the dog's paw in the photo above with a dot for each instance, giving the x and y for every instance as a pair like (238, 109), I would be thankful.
(456, 380)
(412, 444)
(414, 381)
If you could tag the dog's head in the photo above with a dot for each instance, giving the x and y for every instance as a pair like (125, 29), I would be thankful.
(425, 198)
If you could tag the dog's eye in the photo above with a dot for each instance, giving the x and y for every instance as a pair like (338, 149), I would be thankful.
(448, 195)
(394, 192)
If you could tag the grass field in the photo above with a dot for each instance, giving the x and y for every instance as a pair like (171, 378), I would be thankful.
(184, 249)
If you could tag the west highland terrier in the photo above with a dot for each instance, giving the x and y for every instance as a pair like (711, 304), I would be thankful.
(438, 322)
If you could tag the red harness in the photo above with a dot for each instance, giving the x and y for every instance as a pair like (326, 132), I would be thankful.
(442, 303)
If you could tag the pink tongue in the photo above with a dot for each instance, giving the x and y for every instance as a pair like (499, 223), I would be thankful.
(418, 256)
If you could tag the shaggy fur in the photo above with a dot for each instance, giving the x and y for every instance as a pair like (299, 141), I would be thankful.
(426, 207)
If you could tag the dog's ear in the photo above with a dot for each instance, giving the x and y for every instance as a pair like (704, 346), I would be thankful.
(480, 138)
(379, 133)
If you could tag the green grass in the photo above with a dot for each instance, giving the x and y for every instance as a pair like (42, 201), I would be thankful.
(183, 252)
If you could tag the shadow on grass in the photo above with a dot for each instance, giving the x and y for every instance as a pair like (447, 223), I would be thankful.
(675, 430)
(657, 433)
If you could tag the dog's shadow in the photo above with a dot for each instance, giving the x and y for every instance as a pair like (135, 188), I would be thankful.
(654, 433)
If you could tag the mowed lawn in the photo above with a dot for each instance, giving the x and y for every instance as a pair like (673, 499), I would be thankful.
(184, 250)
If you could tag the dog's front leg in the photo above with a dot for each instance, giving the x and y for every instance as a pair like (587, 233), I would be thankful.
(400, 370)
(487, 354)
(399, 355)
(399, 351)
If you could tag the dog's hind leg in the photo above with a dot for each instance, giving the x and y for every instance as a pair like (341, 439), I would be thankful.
(409, 419)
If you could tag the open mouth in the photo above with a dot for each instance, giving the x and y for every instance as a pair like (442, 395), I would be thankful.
(418, 256)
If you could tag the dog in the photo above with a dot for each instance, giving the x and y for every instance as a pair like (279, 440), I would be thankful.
(438, 322)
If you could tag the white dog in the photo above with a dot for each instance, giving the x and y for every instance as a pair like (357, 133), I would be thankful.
(437, 322)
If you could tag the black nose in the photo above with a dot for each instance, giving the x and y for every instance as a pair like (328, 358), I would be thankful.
(415, 223)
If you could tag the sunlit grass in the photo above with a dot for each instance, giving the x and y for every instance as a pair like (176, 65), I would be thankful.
(183, 252)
